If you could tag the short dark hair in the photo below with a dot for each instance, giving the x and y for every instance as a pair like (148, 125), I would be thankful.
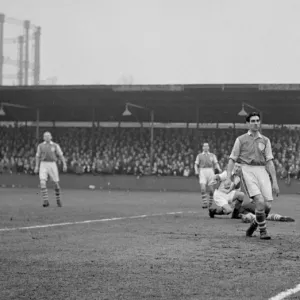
(252, 114)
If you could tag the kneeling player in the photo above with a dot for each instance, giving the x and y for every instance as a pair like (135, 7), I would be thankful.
(227, 197)
(247, 214)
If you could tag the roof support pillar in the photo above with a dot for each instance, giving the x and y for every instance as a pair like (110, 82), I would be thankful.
(93, 131)
(37, 135)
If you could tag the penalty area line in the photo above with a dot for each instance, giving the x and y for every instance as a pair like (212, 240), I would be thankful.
(286, 293)
(96, 221)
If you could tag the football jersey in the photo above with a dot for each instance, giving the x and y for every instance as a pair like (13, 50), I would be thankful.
(48, 152)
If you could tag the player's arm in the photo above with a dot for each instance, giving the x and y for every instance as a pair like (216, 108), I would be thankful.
(197, 165)
(216, 163)
(233, 157)
(61, 156)
(37, 158)
(222, 176)
(269, 158)
(270, 166)
(237, 181)
(231, 188)
(271, 170)
(235, 184)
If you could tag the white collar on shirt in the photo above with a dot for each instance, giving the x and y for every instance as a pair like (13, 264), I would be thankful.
(258, 135)
(208, 153)
(51, 143)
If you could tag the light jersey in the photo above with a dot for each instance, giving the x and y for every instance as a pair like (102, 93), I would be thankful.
(48, 152)
(234, 178)
(206, 160)
(250, 150)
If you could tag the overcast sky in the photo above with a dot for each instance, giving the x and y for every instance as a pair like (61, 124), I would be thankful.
(163, 41)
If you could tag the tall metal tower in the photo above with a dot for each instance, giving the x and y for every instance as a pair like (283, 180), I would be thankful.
(15, 52)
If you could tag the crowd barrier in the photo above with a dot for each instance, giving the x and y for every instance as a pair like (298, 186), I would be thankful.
(124, 182)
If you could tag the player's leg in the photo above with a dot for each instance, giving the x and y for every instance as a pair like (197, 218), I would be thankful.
(252, 179)
(247, 213)
(211, 187)
(268, 207)
(260, 219)
(226, 209)
(211, 195)
(43, 175)
(238, 199)
(276, 217)
(204, 196)
(203, 184)
(57, 193)
(221, 201)
(55, 178)
(280, 218)
(267, 196)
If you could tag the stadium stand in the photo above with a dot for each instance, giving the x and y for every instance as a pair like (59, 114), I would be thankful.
(126, 150)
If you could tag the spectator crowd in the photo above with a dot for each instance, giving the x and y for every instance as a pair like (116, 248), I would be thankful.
(127, 150)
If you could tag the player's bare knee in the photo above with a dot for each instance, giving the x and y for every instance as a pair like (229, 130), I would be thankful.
(203, 189)
(259, 202)
(268, 204)
(56, 185)
(227, 209)
(240, 196)
(43, 184)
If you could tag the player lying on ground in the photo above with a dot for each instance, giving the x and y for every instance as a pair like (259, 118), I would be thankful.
(46, 158)
(205, 165)
(247, 214)
(227, 196)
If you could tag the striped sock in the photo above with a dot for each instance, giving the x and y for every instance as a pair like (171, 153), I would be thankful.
(44, 193)
(204, 200)
(261, 220)
(211, 200)
(274, 217)
(57, 194)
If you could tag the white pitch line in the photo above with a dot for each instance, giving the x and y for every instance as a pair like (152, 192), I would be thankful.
(286, 293)
(94, 221)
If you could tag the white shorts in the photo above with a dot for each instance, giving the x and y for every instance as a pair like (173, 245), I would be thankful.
(256, 181)
(206, 176)
(221, 199)
(49, 169)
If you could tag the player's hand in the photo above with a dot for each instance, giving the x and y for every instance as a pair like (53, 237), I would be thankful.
(36, 170)
(65, 168)
(215, 179)
(275, 188)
